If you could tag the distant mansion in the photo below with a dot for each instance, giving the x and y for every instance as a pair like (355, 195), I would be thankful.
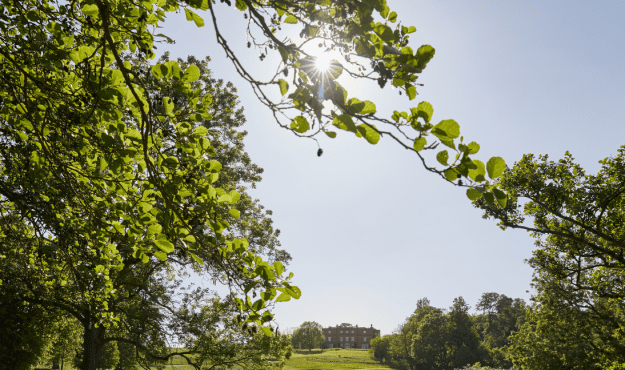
(349, 336)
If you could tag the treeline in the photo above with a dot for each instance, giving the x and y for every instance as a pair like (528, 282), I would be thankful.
(436, 338)
(507, 333)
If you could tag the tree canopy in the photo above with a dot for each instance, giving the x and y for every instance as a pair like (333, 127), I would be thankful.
(309, 335)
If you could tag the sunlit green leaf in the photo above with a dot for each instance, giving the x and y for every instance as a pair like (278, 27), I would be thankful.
(495, 167)
(284, 86)
(419, 144)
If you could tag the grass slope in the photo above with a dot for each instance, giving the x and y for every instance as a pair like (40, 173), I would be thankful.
(347, 359)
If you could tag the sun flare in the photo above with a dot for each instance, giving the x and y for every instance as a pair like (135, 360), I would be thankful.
(322, 62)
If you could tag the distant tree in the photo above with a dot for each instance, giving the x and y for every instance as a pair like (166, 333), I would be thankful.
(23, 333)
(429, 347)
(380, 347)
(464, 343)
(308, 335)
(65, 342)
(501, 316)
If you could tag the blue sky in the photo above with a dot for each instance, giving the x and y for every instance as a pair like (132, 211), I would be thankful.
(370, 231)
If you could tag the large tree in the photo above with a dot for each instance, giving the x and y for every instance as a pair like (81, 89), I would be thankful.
(579, 262)
(124, 292)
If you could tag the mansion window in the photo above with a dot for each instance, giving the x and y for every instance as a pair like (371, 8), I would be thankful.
(329, 339)
(365, 332)
(341, 339)
(352, 339)
(364, 339)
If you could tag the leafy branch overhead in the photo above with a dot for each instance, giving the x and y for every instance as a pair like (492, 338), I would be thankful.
(311, 99)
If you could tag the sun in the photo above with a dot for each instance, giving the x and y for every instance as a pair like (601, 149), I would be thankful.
(323, 62)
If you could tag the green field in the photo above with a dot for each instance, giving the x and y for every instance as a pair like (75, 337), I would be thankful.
(348, 359)
(333, 359)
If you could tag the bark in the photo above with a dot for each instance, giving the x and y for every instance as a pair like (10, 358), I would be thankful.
(92, 347)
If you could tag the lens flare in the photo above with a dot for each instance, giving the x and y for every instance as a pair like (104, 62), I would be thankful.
(322, 62)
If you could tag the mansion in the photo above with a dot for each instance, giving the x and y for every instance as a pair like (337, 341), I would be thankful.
(349, 336)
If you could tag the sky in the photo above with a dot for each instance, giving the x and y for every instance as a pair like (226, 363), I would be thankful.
(370, 231)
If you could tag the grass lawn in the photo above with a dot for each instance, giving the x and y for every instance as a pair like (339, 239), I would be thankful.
(333, 359)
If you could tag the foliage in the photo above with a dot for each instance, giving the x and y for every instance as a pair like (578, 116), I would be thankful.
(110, 356)
(22, 333)
(577, 314)
(65, 339)
(308, 335)
(501, 316)
(433, 338)
(380, 347)
(164, 188)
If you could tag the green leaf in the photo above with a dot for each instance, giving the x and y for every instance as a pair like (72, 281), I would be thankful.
(473, 147)
(368, 108)
(451, 174)
(160, 255)
(241, 5)
(473, 194)
(425, 111)
(200, 131)
(196, 258)
(169, 105)
(163, 244)
(501, 196)
(495, 167)
(234, 213)
(344, 122)
(442, 157)
(411, 91)
(331, 134)
(424, 54)
(477, 171)
(90, 10)
(392, 17)
(419, 144)
(300, 124)
(191, 16)
(267, 331)
(489, 198)
(385, 32)
(154, 229)
(290, 19)
(283, 297)
(446, 130)
(279, 267)
(160, 70)
(284, 86)
(371, 135)
(191, 74)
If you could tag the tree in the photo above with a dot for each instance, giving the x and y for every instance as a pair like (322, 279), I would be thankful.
(23, 333)
(308, 335)
(66, 260)
(465, 346)
(429, 346)
(579, 232)
(501, 316)
(380, 347)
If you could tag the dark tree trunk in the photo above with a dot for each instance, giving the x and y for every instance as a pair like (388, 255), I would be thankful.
(92, 347)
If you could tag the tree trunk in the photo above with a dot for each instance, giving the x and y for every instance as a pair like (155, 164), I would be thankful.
(92, 347)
